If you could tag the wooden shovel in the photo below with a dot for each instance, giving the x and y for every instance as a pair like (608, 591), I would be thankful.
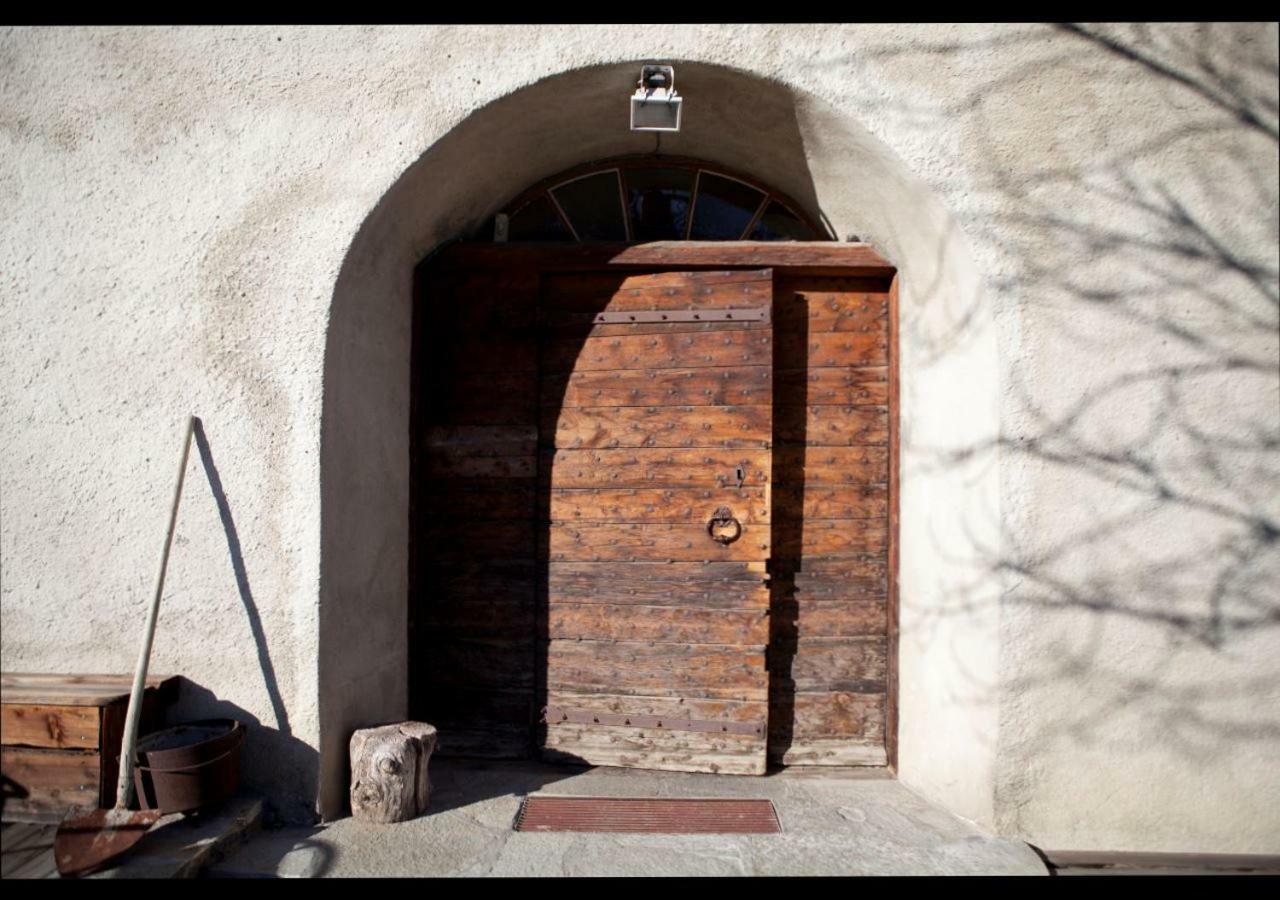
(87, 841)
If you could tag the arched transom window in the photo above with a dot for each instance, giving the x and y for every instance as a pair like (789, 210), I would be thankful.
(639, 199)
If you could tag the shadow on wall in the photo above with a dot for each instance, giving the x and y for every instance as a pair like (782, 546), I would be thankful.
(1141, 439)
(274, 761)
(468, 174)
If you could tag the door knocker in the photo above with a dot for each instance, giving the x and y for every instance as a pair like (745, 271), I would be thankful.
(723, 527)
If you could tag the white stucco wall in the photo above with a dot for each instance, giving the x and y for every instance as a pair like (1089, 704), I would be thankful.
(224, 221)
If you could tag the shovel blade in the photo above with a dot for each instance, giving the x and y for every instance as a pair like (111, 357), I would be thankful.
(88, 841)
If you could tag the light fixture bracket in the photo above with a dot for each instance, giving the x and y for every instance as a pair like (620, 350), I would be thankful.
(655, 106)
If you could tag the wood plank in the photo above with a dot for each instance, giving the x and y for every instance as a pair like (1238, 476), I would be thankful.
(729, 386)
(829, 618)
(490, 349)
(852, 501)
(454, 465)
(670, 505)
(833, 465)
(481, 440)
(795, 587)
(832, 349)
(49, 780)
(508, 618)
(485, 743)
(476, 499)
(801, 257)
(855, 665)
(656, 350)
(63, 689)
(672, 751)
(479, 301)
(658, 468)
(499, 398)
(645, 542)
(817, 572)
(834, 310)
(465, 663)
(675, 707)
(605, 667)
(469, 707)
(832, 538)
(835, 752)
(708, 585)
(841, 386)
(511, 580)
(63, 727)
(617, 292)
(633, 622)
(605, 427)
(818, 715)
(466, 541)
(833, 426)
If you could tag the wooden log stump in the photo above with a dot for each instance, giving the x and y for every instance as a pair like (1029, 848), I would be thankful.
(389, 771)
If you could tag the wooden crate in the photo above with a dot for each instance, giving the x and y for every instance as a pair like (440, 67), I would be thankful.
(60, 739)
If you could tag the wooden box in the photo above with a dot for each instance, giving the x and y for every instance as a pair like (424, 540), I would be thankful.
(60, 739)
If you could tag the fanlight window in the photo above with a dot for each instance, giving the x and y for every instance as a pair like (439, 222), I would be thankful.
(654, 199)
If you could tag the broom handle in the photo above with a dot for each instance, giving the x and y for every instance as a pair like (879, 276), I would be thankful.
(124, 787)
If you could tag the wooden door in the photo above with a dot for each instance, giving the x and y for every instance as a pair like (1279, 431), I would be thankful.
(655, 436)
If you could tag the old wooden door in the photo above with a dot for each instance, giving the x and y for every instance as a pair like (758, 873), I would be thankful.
(655, 434)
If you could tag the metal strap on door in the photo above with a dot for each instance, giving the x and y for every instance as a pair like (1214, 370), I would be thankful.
(554, 715)
(648, 316)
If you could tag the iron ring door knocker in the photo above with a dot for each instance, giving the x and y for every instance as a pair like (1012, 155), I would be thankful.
(723, 527)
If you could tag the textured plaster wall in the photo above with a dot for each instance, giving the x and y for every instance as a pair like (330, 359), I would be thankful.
(224, 221)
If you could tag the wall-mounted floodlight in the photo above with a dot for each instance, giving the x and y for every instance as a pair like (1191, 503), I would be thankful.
(654, 105)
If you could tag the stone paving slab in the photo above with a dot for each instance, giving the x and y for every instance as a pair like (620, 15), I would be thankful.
(833, 824)
(177, 846)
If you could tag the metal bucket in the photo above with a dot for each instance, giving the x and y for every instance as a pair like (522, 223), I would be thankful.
(189, 766)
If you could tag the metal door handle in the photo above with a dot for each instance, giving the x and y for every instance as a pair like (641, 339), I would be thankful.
(724, 528)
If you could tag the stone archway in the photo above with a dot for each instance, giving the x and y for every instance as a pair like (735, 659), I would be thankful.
(804, 147)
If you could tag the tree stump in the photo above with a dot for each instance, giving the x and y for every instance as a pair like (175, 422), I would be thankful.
(389, 771)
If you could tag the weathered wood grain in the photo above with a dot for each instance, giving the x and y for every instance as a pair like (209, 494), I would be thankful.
(855, 665)
(827, 311)
(389, 771)
(672, 751)
(841, 386)
(727, 386)
(702, 670)
(833, 426)
(833, 348)
(63, 727)
(645, 542)
(466, 541)
(460, 662)
(675, 707)
(632, 622)
(829, 618)
(670, 505)
(601, 291)
(853, 501)
(833, 465)
(476, 499)
(809, 715)
(832, 538)
(47, 779)
(481, 440)
(603, 427)
(656, 350)
(834, 752)
(717, 585)
(703, 468)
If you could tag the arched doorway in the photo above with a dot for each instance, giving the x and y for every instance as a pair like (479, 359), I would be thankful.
(653, 457)
(806, 146)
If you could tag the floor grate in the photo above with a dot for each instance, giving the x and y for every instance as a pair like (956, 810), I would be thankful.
(648, 816)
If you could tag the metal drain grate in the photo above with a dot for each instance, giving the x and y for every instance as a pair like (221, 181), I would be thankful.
(641, 815)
